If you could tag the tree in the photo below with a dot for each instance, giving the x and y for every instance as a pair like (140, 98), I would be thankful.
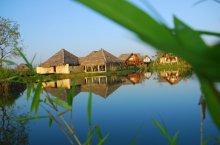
(9, 39)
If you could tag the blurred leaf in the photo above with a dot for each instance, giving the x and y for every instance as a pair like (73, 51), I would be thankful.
(136, 20)
(29, 88)
(29, 118)
(89, 107)
(70, 96)
(174, 139)
(25, 59)
(103, 140)
(162, 129)
(98, 131)
(36, 98)
(11, 78)
(209, 33)
(195, 51)
(89, 138)
(50, 121)
(8, 62)
(212, 98)
(33, 59)
(61, 103)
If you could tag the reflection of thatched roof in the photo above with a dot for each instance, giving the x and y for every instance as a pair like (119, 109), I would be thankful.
(103, 90)
(172, 77)
(61, 93)
(125, 56)
(61, 58)
(100, 57)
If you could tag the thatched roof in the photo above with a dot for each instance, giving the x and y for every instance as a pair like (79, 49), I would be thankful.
(100, 57)
(81, 59)
(125, 56)
(61, 58)
(62, 93)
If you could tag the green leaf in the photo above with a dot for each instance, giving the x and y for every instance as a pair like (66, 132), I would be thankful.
(98, 131)
(103, 140)
(25, 59)
(89, 138)
(194, 50)
(29, 88)
(70, 96)
(212, 98)
(89, 107)
(162, 129)
(136, 20)
(50, 121)
(61, 103)
(174, 139)
(28, 118)
(9, 62)
(36, 98)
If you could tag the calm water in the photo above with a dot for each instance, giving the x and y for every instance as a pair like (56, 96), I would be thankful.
(122, 107)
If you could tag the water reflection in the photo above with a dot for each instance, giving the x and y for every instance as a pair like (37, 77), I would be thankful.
(11, 133)
(103, 86)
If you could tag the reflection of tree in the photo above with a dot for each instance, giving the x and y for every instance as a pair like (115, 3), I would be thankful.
(11, 133)
(9, 92)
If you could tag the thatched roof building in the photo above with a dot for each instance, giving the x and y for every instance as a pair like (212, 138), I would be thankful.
(100, 57)
(61, 58)
(100, 61)
(125, 56)
(131, 58)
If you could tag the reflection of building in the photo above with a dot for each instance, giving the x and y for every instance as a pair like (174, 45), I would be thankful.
(147, 75)
(172, 77)
(101, 85)
(65, 83)
(60, 88)
(61, 62)
(134, 78)
(100, 61)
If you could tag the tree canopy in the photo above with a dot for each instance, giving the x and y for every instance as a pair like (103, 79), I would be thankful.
(9, 39)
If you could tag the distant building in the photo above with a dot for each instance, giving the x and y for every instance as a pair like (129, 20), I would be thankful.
(168, 58)
(100, 61)
(131, 58)
(61, 62)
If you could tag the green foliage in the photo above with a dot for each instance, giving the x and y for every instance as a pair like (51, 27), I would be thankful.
(172, 140)
(9, 40)
(61, 103)
(29, 118)
(182, 41)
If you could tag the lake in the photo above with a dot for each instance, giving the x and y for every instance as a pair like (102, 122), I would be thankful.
(118, 110)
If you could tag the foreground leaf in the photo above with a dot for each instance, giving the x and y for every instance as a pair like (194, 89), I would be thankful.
(212, 98)
(29, 118)
(61, 103)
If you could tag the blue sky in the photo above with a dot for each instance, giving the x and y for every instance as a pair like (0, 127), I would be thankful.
(46, 26)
